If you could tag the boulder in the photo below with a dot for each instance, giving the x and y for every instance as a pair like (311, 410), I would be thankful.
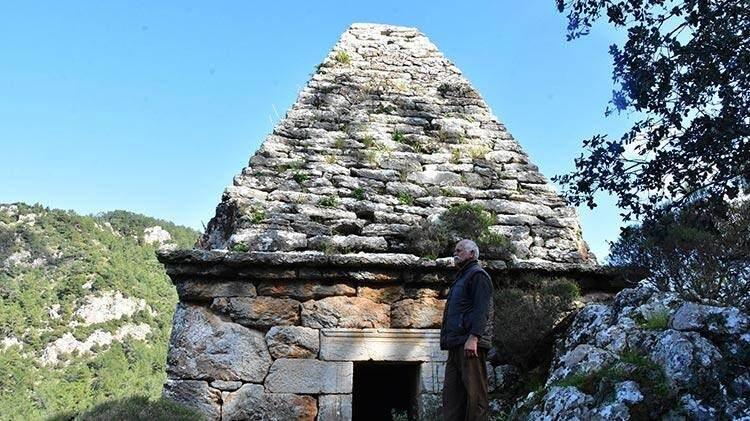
(195, 394)
(204, 346)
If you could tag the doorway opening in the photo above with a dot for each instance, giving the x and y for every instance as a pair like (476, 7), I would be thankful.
(385, 390)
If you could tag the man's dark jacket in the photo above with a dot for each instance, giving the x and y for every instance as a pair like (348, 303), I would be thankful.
(469, 308)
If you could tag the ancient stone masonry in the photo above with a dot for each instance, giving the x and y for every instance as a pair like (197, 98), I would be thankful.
(304, 277)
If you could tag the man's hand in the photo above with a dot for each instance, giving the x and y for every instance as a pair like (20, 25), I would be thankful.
(470, 347)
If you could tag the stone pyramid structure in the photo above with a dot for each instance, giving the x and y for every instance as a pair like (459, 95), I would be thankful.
(387, 133)
(304, 299)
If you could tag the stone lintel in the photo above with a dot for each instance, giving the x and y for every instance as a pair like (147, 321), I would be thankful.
(310, 376)
(334, 407)
(381, 345)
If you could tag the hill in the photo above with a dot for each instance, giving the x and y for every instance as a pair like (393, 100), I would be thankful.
(85, 308)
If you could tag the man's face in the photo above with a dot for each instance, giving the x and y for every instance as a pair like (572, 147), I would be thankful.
(461, 254)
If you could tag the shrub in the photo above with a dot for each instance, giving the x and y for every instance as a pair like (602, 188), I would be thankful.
(398, 136)
(300, 176)
(699, 257)
(139, 408)
(527, 309)
(658, 320)
(405, 198)
(359, 193)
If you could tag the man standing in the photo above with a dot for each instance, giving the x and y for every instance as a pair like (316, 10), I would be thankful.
(467, 335)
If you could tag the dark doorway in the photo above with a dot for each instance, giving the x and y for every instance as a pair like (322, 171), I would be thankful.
(382, 389)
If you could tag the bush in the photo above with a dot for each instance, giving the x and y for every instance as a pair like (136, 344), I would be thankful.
(138, 408)
(526, 312)
(699, 257)
(436, 238)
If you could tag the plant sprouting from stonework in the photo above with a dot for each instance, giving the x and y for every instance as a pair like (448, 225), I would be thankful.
(329, 201)
(300, 176)
(342, 57)
(456, 156)
(240, 247)
(340, 142)
(256, 215)
(372, 157)
(330, 159)
(398, 136)
(479, 152)
(359, 193)
(405, 198)
(368, 140)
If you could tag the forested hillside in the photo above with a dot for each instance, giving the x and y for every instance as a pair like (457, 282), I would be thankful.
(85, 308)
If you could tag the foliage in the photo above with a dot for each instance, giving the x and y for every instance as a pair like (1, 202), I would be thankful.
(359, 193)
(107, 253)
(329, 201)
(405, 198)
(342, 57)
(240, 247)
(527, 309)
(300, 176)
(435, 238)
(656, 321)
(684, 71)
(138, 408)
(398, 136)
(697, 256)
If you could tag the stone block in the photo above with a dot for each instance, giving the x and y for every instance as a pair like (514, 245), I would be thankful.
(197, 290)
(204, 346)
(251, 402)
(225, 385)
(387, 294)
(381, 345)
(419, 313)
(259, 312)
(353, 312)
(304, 291)
(293, 342)
(194, 394)
(334, 407)
(431, 376)
(310, 376)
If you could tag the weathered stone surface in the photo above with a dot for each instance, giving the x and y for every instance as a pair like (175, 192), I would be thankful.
(305, 290)
(431, 375)
(350, 312)
(194, 394)
(204, 346)
(386, 294)
(293, 342)
(271, 240)
(259, 312)
(310, 376)
(334, 407)
(207, 290)
(225, 385)
(381, 345)
(419, 313)
(251, 402)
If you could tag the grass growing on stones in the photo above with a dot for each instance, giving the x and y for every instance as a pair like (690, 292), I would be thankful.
(240, 247)
(359, 193)
(339, 143)
(658, 320)
(456, 156)
(136, 408)
(405, 198)
(330, 201)
(342, 57)
(398, 136)
(300, 176)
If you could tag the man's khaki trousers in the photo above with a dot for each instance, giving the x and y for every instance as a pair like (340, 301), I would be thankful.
(465, 386)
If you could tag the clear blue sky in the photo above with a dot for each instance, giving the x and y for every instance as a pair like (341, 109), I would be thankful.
(154, 106)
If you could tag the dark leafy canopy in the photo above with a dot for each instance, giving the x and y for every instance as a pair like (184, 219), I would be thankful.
(684, 68)
(699, 256)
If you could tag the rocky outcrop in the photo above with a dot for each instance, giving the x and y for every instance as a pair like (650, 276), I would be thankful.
(649, 355)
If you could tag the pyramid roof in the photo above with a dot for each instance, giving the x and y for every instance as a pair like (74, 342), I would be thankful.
(387, 134)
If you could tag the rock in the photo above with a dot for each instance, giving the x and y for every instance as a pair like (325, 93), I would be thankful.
(419, 313)
(156, 235)
(304, 291)
(225, 385)
(195, 394)
(204, 346)
(710, 319)
(352, 312)
(583, 359)
(387, 294)
(197, 290)
(688, 360)
(258, 312)
(563, 403)
(310, 376)
(293, 342)
(271, 240)
(334, 407)
(108, 305)
(628, 393)
(250, 402)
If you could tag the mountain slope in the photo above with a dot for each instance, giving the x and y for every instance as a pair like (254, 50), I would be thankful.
(85, 308)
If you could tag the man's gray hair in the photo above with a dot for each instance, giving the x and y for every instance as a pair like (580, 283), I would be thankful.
(471, 246)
